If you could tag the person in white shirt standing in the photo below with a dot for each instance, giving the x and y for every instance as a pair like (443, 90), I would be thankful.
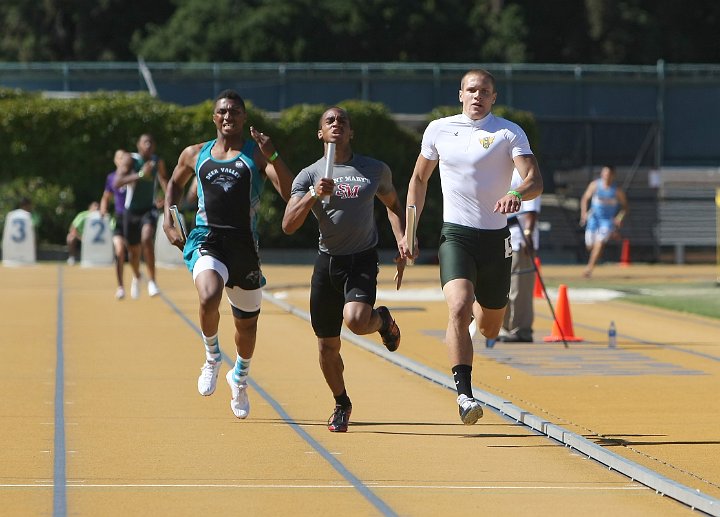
(477, 153)
(525, 240)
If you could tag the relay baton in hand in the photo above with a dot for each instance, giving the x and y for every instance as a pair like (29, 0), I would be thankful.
(410, 228)
(178, 222)
(329, 164)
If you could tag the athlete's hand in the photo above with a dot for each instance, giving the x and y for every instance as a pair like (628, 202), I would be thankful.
(173, 235)
(404, 248)
(263, 141)
(508, 204)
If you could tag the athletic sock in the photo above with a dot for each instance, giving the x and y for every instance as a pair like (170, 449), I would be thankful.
(212, 348)
(240, 372)
(343, 399)
(462, 373)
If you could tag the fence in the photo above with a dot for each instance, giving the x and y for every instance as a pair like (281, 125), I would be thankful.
(650, 115)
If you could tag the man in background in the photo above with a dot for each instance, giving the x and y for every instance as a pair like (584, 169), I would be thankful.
(603, 219)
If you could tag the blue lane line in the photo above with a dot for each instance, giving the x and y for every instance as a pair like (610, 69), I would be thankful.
(59, 479)
(368, 494)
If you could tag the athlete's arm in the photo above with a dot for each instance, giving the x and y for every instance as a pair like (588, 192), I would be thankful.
(296, 212)
(624, 209)
(125, 177)
(532, 185)
(105, 202)
(530, 188)
(276, 170)
(417, 191)
(396, 216)
(184, 170)
(584, 200)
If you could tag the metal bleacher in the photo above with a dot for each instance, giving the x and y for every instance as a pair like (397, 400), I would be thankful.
(687, 211)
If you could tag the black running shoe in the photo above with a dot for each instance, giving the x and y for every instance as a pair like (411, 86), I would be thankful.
(389, 332)
(338, 421)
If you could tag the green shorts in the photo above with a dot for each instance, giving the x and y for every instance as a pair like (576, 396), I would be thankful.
(482, 256)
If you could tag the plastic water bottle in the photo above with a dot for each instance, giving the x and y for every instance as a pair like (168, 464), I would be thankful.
(612, 335)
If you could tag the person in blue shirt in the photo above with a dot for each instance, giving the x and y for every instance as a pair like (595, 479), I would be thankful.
(603, 207)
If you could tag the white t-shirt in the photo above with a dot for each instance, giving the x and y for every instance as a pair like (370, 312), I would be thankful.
(476, 164)
(516, 236)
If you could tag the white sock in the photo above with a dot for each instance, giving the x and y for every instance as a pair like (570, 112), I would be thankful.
(212, 348)
(240, 372)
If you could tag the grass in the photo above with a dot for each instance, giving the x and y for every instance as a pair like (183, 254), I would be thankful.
(679, 288)
(692, 298)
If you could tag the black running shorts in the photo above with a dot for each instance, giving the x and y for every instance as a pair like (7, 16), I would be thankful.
(133, 223)
(337, 280)
(482, 256)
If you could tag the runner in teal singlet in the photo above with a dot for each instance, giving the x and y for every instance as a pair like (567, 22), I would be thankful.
(221, 251)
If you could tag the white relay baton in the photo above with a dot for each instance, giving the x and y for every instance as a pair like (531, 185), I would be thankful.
(329, 164)
(178, 221)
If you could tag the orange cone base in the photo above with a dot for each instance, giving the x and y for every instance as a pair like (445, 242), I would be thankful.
(559, 339)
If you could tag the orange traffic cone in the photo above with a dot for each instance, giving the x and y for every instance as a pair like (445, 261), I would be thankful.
(537, 291)
(625, 253)
(562, 327)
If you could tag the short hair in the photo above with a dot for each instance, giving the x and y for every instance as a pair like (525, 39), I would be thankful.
(479, 72)
(322, 115)
(230, 94)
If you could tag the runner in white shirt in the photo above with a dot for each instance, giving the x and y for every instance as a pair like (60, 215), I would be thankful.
(477, 152)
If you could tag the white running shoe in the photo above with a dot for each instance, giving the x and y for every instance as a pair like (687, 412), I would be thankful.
(71, 261)
(239, 403)
(135, 288)
(120, 293)
(153, 289)
(470, 409)
(208, 378)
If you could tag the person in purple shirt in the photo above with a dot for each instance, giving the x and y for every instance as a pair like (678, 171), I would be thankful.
(116, 196)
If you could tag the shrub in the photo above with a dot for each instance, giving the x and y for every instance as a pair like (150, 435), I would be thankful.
(53, 205)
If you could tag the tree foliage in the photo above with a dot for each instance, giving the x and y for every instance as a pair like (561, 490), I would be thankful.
(81, 30)
(476, 31)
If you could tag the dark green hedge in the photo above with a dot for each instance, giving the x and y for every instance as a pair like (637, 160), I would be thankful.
(58, 152)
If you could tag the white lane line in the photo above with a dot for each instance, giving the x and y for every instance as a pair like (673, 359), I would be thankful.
(266, 486)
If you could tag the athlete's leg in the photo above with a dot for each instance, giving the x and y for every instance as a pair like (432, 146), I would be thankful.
(147, 239)
(119, 247)
(459, 296)
(210, 287)
(331, 363)
(490, 322)
(361, 318)
(134, 257)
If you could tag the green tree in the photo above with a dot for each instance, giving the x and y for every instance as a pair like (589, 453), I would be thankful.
(81, 30)
(336, 30)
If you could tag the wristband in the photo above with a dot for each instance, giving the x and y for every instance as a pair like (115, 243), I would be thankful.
(516, 194)
(273, 157)
(314, 194)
